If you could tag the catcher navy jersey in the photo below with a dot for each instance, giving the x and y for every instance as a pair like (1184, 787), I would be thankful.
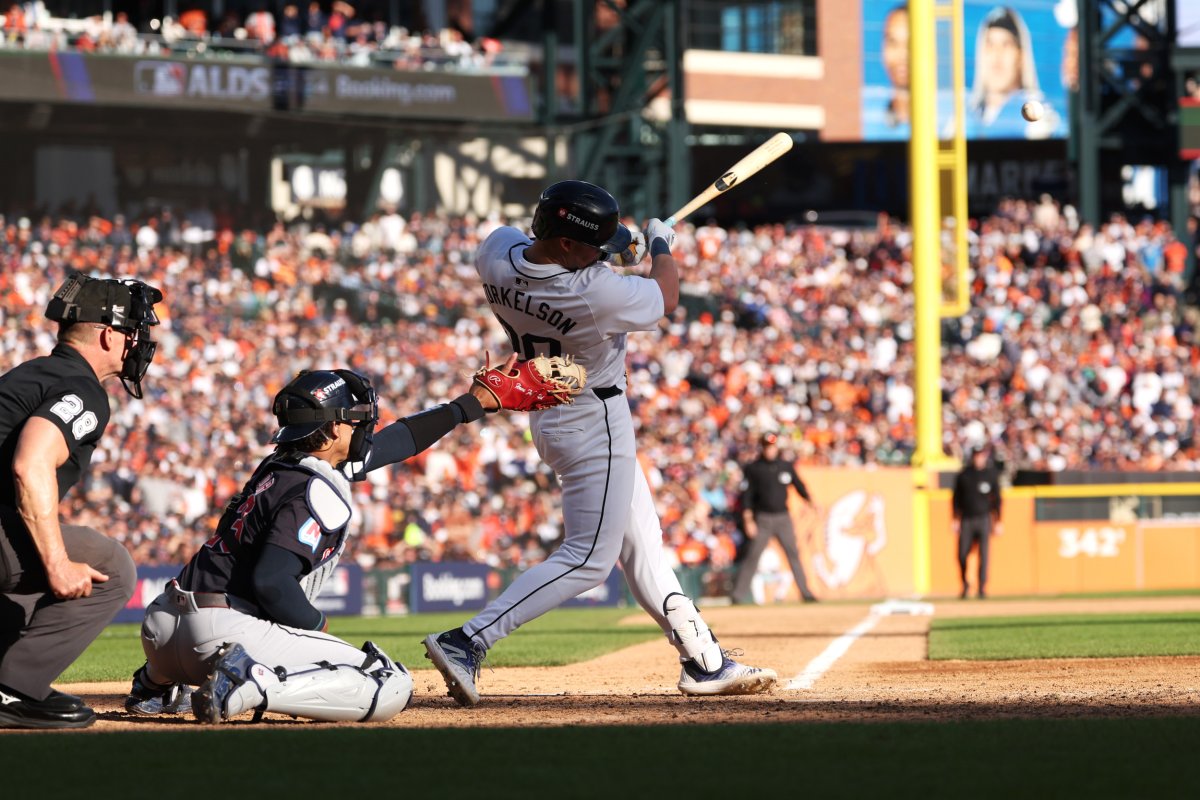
(549, 310)
(273, 511)
(62, 388)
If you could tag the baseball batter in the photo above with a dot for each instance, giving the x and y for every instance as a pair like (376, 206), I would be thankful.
(240, 617)
(555, 295)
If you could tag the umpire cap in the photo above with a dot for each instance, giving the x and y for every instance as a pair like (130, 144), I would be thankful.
(582, 212)
(127, 305)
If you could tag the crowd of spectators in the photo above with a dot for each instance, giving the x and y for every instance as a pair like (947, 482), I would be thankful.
(294, 32)
(1078, 352)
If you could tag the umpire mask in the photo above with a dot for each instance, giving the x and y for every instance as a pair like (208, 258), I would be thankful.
(124, 305)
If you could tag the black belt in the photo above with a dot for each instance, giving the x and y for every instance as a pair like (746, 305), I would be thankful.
(211, 600)
(201, 599)
(605, 392)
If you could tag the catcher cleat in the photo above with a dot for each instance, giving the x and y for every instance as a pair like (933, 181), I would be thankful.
(149, 699)
(231, 670)
(730, 678)
(458, 657)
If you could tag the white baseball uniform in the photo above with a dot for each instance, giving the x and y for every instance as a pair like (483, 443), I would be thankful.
(608, 511)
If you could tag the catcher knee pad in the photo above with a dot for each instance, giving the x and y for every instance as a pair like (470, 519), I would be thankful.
(690, 633)
(393, 695)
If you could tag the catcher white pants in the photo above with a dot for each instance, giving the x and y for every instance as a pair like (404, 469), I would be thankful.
(608, 514)
(328, 677)
(180, 642)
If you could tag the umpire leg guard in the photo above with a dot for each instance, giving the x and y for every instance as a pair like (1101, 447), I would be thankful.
(376, 691)
(690, 633)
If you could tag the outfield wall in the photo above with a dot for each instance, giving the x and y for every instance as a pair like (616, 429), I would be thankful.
(860, 542)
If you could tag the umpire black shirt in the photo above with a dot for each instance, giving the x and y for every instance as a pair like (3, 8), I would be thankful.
(766, 485)
(62, 388)
(977, 492)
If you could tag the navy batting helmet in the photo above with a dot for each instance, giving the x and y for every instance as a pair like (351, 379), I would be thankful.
(582, 212)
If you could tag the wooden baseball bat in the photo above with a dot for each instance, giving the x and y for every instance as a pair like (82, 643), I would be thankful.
(760, 157)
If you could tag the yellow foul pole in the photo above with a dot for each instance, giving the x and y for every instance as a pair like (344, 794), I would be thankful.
(924, 209)
(924, 205)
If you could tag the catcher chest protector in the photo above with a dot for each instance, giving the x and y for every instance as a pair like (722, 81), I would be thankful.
(582, 212)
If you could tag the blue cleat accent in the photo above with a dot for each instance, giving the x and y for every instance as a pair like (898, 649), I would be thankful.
(458, 657)
(149, 699)
(730, 678)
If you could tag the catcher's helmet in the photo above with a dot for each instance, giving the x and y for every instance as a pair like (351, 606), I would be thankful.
(315, 398)
(126, 305)
(582, 212)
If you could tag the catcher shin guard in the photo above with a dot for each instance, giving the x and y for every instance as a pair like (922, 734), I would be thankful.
(690, 633)
(374, 692)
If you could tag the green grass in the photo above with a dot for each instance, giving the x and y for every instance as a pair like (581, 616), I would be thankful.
(1093, 758)
(561, 637)
(1065, 636)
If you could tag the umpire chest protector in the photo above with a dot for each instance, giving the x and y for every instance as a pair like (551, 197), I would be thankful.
(300, 504)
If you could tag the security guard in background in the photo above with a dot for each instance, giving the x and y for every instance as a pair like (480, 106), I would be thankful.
(765, 514)
(61, 584)
(975, 505)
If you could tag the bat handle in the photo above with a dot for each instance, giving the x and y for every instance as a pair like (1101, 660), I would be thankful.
(669, 222)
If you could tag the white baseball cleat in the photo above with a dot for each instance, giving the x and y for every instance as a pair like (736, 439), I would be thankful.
(731, 678)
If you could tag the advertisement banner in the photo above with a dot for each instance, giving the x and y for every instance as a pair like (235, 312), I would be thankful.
(1016, 50)
(448, 586)
(342, 594)
(394, 93)
(230, 85)
(608, 593)
(251, 85)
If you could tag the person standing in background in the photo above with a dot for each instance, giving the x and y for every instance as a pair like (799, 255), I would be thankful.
(765, 515)
(976, 508)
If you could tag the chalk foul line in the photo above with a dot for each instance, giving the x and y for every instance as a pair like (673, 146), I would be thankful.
(829, 656)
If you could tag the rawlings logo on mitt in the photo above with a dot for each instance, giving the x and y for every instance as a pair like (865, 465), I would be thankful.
(541, 382)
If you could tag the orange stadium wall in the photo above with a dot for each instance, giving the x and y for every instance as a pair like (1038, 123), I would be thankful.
(859, 543)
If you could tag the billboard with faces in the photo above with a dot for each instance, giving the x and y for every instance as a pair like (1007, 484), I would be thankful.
(1015, 51)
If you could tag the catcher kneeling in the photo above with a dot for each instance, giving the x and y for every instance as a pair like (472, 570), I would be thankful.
(239, 620)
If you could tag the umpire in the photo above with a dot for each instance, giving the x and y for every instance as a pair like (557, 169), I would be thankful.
(975, 505)
(61, 584)
(765, 514)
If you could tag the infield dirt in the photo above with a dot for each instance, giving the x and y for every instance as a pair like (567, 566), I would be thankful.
(883, 676)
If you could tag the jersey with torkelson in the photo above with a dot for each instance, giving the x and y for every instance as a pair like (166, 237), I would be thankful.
(549, 310)
(273, 511)
(62, 388)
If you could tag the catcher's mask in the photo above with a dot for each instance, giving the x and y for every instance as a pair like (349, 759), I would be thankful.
(582, 212)
(124, 305)
(315, 398)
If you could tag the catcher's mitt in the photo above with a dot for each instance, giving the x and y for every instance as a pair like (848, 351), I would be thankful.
(540, 382)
